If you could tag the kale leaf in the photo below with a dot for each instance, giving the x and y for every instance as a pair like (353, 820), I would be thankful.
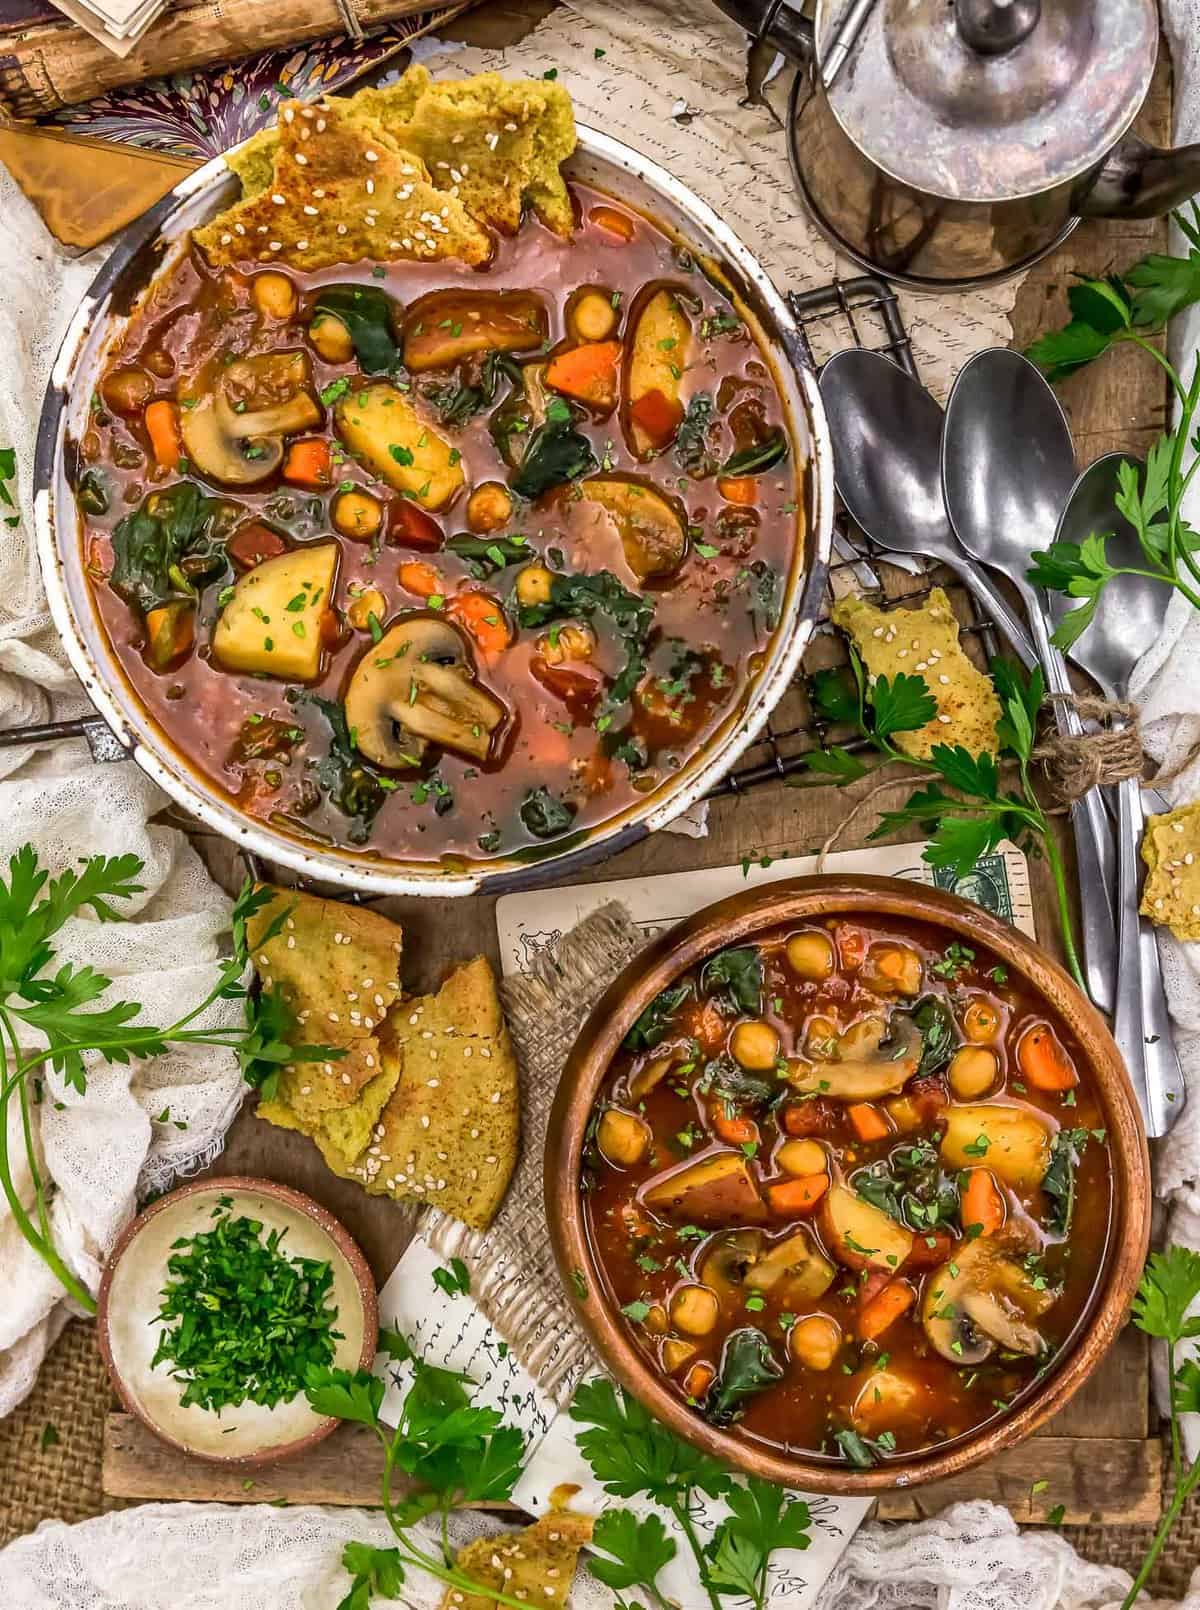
(170, 546)
(557, 452)
(355, 788)
(366, 311)
(738, 972)
(748, 1365)
(654, 1022)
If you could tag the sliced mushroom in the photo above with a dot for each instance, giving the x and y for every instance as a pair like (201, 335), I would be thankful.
(979, 1300)
(416, 687)
(881, 1071)
(730, 1259)
(235, 443)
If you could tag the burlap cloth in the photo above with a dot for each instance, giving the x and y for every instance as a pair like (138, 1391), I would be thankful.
(513, 1278)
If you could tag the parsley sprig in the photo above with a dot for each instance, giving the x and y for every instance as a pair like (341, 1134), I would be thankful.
(455, 1452)
(1131, 309)
(632, 1455)
(1169, 1288)
(982, 812)
(58, 1003)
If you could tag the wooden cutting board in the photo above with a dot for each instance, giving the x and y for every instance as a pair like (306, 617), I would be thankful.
(1100, 1458)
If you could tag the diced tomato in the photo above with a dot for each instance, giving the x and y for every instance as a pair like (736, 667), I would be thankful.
(928, 1095)
(658, 415)
(410, 527)
(250, 544)
(579, 689)
(814, 1117)
(930, 1247)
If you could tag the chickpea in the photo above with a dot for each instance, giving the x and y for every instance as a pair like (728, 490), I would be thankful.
(360, 609)
(815, 1341)
(331, 338)
(592, 315)
(533, 585)
(656, 1321)
(820, 1036)
(623, 1139)
(675, 1354)
(799, 1157)
(357, 515)
(490, 507)
(127, 391)
(694, 1309)
(810, 955)
(973, 1070)
(981, 1021)
(274, 295)
(755, 1045)
(160, 363)
(568, 644)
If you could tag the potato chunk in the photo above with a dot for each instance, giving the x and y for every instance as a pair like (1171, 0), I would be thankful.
(795, 1266)
(659, 353)
(1012, 1141)
(716, 1190)
(861, 1235)
(381, 427)
(272, 624)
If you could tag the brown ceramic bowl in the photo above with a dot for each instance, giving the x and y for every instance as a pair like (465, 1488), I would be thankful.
(129, 1300)
(743, 918)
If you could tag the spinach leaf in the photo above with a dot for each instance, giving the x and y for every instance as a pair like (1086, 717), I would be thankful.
(1058, 1182)
(911, 1187)
(170, 546)
(354, 787)
(486, 555)
(864, 1452)
(544, 815)
(739, 972)
(630, 613)
(731, 1082)
(92, 491)
(760, 456)
(691, 439)
(459, 400)
(748, 1365)
(366, 312)
(654, 1023)
(933, 1019)
(557, 452)
(764, 594)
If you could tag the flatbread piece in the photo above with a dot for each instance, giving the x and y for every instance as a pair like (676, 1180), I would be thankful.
(537, 1564)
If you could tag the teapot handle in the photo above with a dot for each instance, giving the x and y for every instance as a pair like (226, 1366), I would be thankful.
(1139, 180)
(778, 24)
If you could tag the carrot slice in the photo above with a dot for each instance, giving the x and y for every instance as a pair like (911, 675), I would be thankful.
(587, 372)
(162, 427)
(698, 1380)
(868, 1122)
(882, 1312)
(982, 1202)
(616, 223)
(658, 415)
(797, 1196)
(929, 1248)
(308, 463)
(481, 616)
(1043, 1060)
(415, 576)
(737, 488)
(734, 1131)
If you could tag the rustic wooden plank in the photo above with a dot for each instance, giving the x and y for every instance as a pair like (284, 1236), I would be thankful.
(344, 1469)
(1104, 1479)
(1113, 1480)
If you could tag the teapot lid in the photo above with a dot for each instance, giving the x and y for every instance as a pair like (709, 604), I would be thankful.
(991, 100)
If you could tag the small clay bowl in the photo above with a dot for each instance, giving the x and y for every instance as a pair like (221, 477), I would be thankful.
(135, 1274)
(736, 921)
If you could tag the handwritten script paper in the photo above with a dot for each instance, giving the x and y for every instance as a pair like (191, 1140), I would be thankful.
(666, 78)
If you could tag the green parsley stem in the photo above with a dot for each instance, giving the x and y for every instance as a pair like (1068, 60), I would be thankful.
(1184, 1487)
(1161, 359)
(679, 1509)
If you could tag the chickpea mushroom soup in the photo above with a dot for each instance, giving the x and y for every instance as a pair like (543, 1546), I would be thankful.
(849, 1187)
(434, 562)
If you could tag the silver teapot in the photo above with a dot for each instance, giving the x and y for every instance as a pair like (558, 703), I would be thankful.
(961, 140)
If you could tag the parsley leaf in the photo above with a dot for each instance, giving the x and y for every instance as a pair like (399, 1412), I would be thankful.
(636, 1550)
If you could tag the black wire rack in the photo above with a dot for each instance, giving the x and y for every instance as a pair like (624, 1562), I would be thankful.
(862, 312)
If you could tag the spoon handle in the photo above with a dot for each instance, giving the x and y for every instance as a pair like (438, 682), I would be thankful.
(976, 580)
(1164, 1076)
(1129, 1027)
(1095, 857)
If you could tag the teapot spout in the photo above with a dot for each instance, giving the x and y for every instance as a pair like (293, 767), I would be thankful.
(1137, 180)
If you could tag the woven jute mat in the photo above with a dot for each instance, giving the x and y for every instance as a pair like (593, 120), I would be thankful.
(62, 1480)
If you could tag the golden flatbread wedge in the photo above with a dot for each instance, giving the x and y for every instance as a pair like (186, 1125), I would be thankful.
(1171, 851)
(340, 189)
(924, 642)
(493, 142)
(339, 969)
(537, 1564)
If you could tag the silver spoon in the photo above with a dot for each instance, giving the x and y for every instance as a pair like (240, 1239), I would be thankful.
(887, 433)
(1008, 466)
(1128, 620)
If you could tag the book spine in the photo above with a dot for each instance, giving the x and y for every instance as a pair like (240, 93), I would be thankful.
(60, 64)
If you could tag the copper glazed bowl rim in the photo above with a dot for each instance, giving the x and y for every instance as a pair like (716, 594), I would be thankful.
(731, 921)
(247, 1185)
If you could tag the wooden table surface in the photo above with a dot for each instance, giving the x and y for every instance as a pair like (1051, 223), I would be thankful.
(1098, 1456)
